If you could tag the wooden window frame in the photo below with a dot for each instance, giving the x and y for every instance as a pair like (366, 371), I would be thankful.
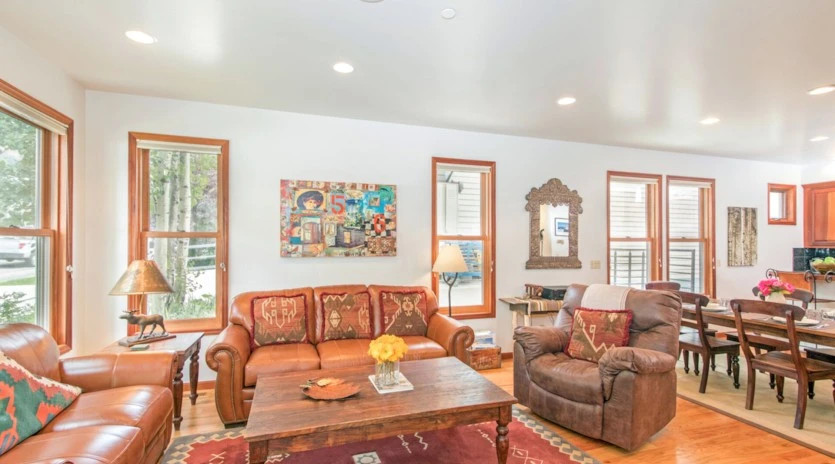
(653, 222)
(56, 214)
(488, 236)
(791, 204)
(707, 229)
(139, 225)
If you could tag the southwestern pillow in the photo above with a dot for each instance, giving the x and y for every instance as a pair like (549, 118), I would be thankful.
(595, 332)
(279, 320)
(28, 402)
(404, 313)
(346, 315)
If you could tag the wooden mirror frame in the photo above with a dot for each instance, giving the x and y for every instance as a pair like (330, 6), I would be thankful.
(790, 191)
(553, 193)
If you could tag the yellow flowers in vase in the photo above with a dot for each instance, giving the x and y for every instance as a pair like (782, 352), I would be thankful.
(387, 350)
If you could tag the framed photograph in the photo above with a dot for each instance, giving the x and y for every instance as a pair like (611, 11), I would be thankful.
(561, 227)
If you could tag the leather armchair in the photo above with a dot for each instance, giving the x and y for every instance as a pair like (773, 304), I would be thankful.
(125, 411)
(625, 398)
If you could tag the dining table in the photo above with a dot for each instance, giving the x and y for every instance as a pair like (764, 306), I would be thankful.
(822, 333)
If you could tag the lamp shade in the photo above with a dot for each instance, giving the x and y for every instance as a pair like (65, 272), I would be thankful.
(450, 259)
(142, 277)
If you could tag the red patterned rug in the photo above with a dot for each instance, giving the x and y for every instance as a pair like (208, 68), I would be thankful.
(530, 443)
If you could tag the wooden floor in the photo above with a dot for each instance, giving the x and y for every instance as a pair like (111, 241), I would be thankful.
(696, 435)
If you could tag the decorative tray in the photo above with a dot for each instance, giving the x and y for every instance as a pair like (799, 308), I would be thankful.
(329, 389)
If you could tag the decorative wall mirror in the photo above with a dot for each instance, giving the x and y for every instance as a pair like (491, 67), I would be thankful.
(782, 202)
(553, 209)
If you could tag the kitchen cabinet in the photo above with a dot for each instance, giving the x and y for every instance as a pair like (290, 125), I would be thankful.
(819, 215)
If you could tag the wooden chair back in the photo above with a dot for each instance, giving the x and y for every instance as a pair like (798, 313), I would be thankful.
(803, 296)
(699, 301)
(747, 334)
(663, 285)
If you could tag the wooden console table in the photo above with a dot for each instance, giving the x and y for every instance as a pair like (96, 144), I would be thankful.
(523, 306)
(187, 346)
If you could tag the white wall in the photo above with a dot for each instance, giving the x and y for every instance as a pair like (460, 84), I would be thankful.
(25, 69)
(267, 146)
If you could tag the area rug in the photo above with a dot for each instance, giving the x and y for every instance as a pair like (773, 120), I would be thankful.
(531, 442)
(768, 414)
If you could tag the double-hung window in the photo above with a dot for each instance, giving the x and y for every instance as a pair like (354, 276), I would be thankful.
(35, 214)
(690, 234)
(463, 201)
(634, 205)
(178, 204)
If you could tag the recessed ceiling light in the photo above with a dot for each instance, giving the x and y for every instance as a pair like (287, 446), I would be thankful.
(343, 67)
(709, 121)
(565, 101)
(140, 37)
(819, 138)
(447, 13)
(822, 90)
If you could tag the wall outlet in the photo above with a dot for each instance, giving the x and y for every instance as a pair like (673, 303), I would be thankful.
(595, 264)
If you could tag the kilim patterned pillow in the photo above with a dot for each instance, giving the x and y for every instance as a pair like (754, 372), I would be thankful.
(28, 402)
(404, 313)
(279, 319)
(595, 332)
(346, 315)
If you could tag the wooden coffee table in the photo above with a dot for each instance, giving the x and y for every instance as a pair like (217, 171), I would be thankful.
(447, 393)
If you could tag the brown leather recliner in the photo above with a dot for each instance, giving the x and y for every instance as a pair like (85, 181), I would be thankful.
(625, 398)
(125, 411)
(238, 365)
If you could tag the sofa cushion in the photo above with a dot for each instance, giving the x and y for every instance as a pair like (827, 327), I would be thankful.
(344, 353)
(148, 407)
(279, 320)
(278, 359)
(345, 316)
(573, 379)
(111, 444)
(28, 402)
(404, 312)
(595, 332)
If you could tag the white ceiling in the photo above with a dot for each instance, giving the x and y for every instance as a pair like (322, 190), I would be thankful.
(644, 72)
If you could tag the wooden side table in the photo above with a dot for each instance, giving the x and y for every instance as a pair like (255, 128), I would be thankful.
(187, 346)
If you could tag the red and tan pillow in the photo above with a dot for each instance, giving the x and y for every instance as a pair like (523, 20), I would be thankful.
(595, 331)
(346, 315)
(28, 402)
(404, 313)
(279, 320)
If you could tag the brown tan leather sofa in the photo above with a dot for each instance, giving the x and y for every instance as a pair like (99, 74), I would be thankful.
(238, 366)
(626, 398)
(123, 415)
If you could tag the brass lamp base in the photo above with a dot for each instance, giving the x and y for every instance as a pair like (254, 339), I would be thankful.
(149, 338)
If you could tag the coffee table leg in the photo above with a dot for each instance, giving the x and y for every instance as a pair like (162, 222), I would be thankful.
(192, 374)
(502, 442)
(258, 452)
(178, 398)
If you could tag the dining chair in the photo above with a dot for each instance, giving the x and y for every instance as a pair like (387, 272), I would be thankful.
(706, 345)
(687, 327)
(780, 363)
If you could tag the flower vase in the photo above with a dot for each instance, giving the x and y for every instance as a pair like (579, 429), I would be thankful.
(776, 297)
(386, 373)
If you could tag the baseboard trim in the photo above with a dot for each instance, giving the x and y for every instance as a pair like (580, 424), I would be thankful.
(507, 355)
(206, 385)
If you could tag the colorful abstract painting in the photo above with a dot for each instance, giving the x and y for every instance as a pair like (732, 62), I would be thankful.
(320, 219)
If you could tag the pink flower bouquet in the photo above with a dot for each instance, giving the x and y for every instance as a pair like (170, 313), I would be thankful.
(769, 286)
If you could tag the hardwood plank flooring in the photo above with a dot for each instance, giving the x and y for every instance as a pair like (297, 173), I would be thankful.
(697, 435)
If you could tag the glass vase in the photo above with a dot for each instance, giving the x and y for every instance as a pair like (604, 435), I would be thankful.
(386, 374)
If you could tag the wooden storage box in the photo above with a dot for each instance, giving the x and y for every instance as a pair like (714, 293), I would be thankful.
(484, 357)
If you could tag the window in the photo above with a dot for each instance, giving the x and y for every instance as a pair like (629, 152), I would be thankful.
(463, 203)
(35, 214)
(690, 234)
(178, 202)
(634, 206)
(781, 204)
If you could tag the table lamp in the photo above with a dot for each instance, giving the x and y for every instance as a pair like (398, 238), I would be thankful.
(449, 261)
(142, 277)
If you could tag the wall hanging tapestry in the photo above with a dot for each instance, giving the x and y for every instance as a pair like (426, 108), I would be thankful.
(321, 219)
(742, 236)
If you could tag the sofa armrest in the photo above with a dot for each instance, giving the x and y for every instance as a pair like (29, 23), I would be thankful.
(536, 341)
(103, 371)
(228, 356)
(638, 360)
(454, 336)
